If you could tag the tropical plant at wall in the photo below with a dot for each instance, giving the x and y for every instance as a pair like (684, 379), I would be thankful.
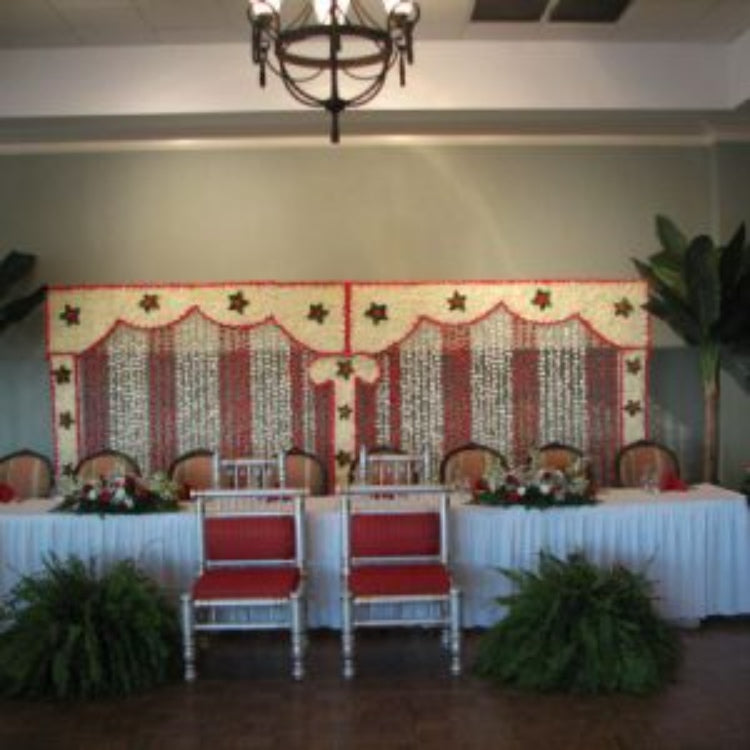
(15, 268)
(70, 632)
(702, 291)
(573, 626)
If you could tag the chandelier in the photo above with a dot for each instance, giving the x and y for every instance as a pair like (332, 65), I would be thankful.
(332, 54)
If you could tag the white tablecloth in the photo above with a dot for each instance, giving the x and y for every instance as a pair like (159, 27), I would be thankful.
(695, 546)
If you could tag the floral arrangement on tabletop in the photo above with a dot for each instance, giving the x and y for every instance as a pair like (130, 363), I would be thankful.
(533, 486)
(122, 495)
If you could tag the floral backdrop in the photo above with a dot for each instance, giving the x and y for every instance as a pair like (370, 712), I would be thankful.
(155, 371)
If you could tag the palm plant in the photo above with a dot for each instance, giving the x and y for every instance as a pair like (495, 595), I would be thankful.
(15, 267)
(702, 291)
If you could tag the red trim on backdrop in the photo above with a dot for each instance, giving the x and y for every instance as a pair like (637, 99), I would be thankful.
(347, 318)
(93, 416)
(162, 399)
(189, 311)
(235, 402)
(150, 285)
(325, 415)
(456, 372)
(602, 410)
(365, 413)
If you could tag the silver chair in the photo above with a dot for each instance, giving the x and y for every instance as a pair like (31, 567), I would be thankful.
(383, 465)
(249, 472)
(395, 554)
(252, 568)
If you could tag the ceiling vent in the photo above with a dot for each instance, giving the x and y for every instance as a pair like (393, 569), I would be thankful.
(575, 11)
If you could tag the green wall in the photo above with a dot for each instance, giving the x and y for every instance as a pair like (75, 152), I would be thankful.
(353, 212)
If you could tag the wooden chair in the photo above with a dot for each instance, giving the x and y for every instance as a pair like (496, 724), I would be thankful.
(249, 472)
(193, 470)
(399, 557)
(645, 463)
(252, 566)
(558, 456)
(27, 473)
(305, 470)
(467, 464)
(106, 463)
(384, 465)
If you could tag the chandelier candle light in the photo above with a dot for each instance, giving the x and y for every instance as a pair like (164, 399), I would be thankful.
(332, 54)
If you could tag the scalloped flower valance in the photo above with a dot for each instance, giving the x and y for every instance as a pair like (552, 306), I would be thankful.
(257, 366)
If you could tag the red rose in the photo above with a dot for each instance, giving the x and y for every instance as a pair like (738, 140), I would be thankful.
(7, 493)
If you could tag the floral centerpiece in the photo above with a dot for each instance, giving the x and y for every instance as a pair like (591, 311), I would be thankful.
(121, 495)
(533, 486)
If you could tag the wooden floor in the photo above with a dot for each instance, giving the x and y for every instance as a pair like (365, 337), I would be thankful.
(401, 698)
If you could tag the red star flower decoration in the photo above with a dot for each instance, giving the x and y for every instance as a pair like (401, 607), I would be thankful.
(633, 407)
(344, 369)
(345, 411)
(238, 302)
(149, 302)
(457, 301)
(542, 299)
(634, 365)
(377, 313)
(66, 420)
(343, 458)
(71, 315)
(624, 308)
(62, 374)
(318, 313)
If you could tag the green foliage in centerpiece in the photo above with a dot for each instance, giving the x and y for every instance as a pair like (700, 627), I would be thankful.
(577, 627)
(70, 633)
(531, 486)
(122, 495)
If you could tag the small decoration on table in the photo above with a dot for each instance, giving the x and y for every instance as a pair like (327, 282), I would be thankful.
(532, 486)
(122, 495)
(7, 493)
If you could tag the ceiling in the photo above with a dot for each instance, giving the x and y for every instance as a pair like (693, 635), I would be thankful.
(88, 70)
(66, 23)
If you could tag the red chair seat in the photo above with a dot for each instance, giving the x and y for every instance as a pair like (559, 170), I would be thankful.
(399, 580)
(246, 583)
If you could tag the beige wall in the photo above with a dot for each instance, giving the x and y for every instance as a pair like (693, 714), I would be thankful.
(319, 212)
(354, 212)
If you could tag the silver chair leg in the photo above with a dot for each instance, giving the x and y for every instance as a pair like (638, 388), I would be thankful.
(347, 635)
(188, 638)
(455, 631)
(298, 636)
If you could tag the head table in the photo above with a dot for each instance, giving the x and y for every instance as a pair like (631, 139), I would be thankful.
(694, 545)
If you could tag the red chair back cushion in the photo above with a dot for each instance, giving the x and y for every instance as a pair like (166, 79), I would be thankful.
(395, 534)
(253, 538)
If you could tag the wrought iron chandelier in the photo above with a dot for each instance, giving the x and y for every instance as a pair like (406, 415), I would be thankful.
(332, 54)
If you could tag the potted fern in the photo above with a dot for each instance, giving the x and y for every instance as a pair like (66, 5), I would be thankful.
(702, 291)
(573, 626)
(71, 633)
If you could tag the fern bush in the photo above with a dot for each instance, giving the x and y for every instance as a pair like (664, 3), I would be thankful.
(68, 633)
(573, 626)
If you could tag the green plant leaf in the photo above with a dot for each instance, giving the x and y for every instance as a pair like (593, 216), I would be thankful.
(703, 283)
(71, 632)
(605, 634)
(735, 259)
(671, 238)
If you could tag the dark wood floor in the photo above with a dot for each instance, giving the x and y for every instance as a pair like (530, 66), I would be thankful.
(402, 698)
